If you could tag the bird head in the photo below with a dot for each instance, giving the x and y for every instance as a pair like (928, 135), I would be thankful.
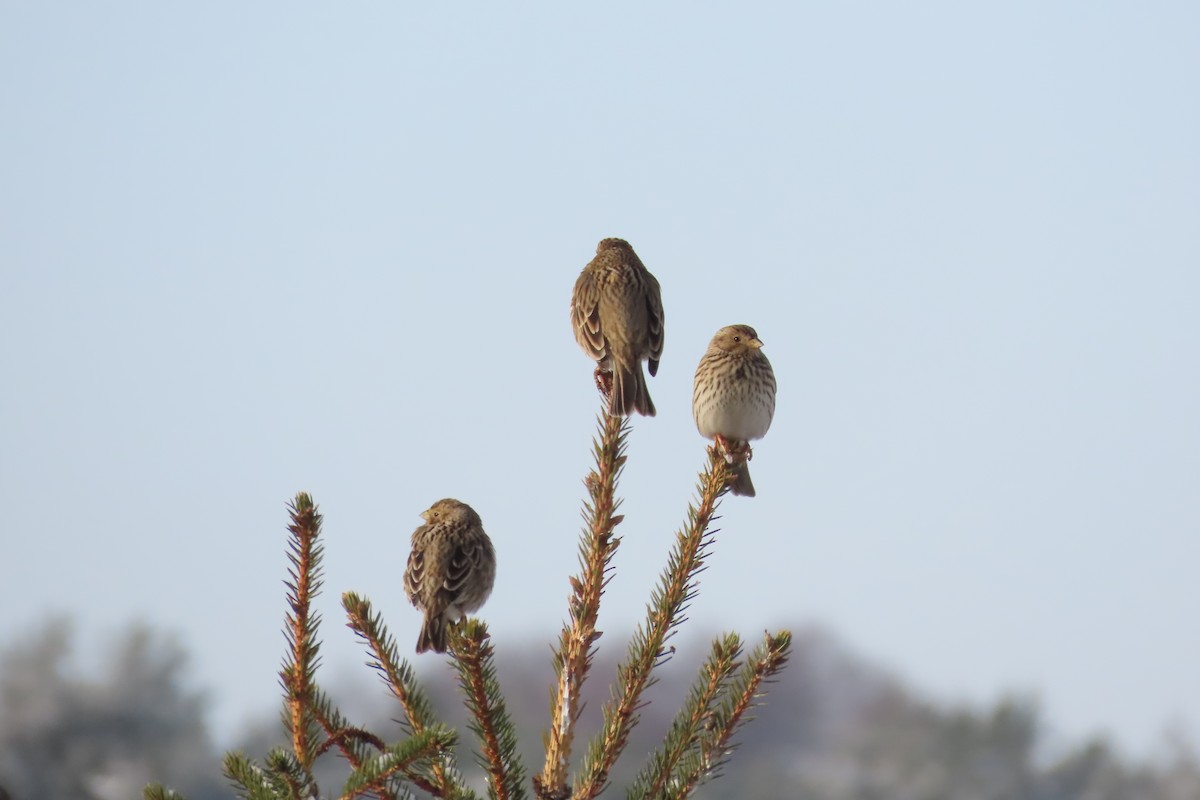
(737, 339)
(449, 510)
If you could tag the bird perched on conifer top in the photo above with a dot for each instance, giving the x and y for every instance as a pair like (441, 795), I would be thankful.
(733, 398)
(617, 316)
(450, 571)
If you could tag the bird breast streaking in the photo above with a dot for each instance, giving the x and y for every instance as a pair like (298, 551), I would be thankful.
(733, 398)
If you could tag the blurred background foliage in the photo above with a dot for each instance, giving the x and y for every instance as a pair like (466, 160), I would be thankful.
(837, 727)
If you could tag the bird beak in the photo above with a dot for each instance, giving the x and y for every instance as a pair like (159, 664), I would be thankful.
(425, 516)
(756, 343)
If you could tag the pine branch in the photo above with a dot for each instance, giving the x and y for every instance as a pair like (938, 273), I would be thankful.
(669, 601)
(471, 653)
(285, 770)
(415, 755)
(396, 672)
(300, 628)
(741, 694)
(442, 778)
(693, 719)
(355, 743)
(254, 782)
(573, 658)
(695, 748)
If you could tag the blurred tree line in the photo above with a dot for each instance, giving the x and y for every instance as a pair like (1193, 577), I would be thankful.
(837, 728)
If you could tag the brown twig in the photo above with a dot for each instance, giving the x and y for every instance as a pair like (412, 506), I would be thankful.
(402, 758)
(398, 678)
(766, 661)
(573, 657)
(693, 718)
(676, 589)
(359, 612)
(300, 626)
(341, 738)
(471, 650)
(491, 745)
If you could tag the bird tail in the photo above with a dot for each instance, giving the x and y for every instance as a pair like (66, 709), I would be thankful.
(630, 392)
(433, 634)
(739, 480)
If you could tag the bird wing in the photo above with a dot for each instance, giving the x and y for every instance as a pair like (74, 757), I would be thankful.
(585, 315)
(655, 317)
(465, 560)
(414, 574)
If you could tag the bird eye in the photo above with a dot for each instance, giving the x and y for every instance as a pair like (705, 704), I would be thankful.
(737, 338)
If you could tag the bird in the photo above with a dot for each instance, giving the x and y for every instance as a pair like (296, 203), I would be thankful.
(733, 398)
(617, 316)
(451, 569)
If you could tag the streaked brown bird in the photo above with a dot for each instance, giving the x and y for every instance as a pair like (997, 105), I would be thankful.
(733, 398)
(617, 315)
(450, 571)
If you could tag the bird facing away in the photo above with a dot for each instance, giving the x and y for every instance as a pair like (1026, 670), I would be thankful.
(733, 399)
(450, 571)
(617, 315)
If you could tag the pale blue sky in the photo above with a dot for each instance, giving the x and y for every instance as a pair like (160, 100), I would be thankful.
(251, 249)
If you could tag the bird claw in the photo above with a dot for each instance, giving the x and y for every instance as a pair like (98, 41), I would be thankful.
(604, 381)
(733, 453)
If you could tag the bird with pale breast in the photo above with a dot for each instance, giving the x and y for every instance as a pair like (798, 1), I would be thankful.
(733, 398)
